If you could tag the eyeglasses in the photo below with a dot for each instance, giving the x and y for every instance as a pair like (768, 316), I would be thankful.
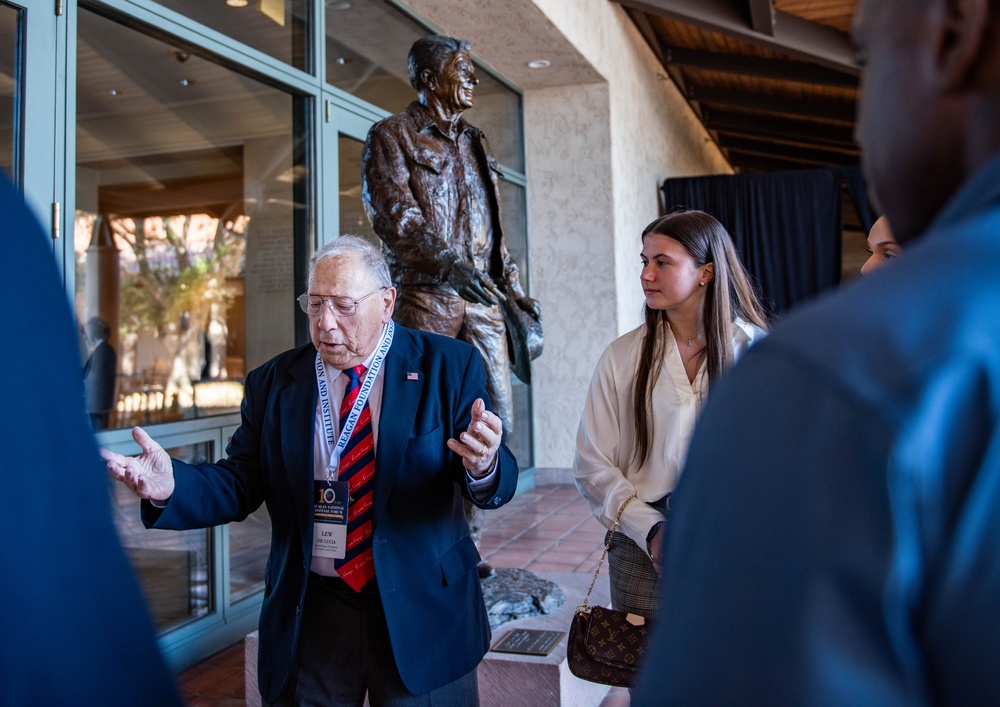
(342, 306)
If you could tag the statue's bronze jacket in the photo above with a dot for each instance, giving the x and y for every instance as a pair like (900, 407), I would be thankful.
(416, 195)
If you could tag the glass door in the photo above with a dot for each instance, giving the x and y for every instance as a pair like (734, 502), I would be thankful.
(31, 39)
(11, 88)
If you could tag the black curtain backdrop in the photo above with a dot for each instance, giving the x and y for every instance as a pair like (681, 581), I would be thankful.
(786, 226)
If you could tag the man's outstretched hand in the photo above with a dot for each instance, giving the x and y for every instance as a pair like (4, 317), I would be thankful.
(149, 475)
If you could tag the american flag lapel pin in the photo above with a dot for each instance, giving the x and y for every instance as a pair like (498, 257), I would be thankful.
(412, 376)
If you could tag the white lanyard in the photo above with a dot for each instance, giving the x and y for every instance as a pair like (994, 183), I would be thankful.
(352, 417)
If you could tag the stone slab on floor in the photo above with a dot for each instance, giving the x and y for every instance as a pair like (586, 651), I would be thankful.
(509, 679)
(250, 670)
(514, 680)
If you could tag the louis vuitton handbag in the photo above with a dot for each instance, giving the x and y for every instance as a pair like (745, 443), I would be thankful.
(604, 646)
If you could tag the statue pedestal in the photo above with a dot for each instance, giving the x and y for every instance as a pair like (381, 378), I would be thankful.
(511, 679)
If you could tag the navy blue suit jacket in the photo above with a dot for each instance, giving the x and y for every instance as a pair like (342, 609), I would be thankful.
(425, 560)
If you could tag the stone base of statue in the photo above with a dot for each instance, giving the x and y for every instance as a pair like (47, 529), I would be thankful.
(512, 679)
(512, 594)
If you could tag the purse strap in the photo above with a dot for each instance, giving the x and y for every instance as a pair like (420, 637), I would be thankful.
(585, 606)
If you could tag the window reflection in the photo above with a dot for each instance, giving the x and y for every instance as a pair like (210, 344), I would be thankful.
(189, 223)
(9, 88)
(353, 218)
(367, 44)
(172, 566)
(279, 28)
(249, 541)
(515, 231)
(514, 220)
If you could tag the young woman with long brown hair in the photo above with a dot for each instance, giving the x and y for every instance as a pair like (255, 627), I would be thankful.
(701, 313)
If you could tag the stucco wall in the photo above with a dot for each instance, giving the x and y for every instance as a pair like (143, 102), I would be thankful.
(571, 217)
(655, 134)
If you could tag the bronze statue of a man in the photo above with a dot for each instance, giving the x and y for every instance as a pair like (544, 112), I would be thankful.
(429, 183)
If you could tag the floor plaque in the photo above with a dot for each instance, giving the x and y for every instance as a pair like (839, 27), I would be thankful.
(529, 641)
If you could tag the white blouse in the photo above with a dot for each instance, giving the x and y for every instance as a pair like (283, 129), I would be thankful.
(603, 468)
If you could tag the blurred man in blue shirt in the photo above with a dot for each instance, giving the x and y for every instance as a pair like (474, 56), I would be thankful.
(834, 536)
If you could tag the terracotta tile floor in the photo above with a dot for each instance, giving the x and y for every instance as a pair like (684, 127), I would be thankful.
(545, 529)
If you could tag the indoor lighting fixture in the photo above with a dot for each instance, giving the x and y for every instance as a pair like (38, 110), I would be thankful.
(539, 64)
(237, 3)
(338, 4)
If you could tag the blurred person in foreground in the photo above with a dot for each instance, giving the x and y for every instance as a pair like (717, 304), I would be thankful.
(362, 443)
(75, 629)
(837, 540)
(882, 246)
(701, 313)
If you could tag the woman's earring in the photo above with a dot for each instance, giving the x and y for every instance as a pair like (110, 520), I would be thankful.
(702, 283)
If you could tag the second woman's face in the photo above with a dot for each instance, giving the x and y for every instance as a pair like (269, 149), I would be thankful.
(882, 247)
(670, 276)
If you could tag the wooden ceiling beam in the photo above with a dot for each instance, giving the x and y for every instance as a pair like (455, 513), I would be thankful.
(759, 67)
(814, 154)
(792, 35)
(645, 27)
(762, 16)
(766, 164)
(832, 135)
(795, 143)
(812, 108)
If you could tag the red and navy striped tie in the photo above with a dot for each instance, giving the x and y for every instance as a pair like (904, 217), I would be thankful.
(357, 467)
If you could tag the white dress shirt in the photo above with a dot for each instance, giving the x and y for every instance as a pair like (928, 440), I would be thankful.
(337, 386)
(603, 468)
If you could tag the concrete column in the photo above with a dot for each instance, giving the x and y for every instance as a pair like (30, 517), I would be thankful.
(103, 279)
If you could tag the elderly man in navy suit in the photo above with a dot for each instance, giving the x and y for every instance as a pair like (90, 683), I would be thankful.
(363, 444)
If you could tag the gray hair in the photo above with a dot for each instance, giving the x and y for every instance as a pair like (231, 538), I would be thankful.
(370, 255)
(432, 52)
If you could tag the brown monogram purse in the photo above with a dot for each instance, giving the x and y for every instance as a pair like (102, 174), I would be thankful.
(603, 645)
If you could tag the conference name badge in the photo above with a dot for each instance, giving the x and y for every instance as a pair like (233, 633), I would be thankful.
(330, 518)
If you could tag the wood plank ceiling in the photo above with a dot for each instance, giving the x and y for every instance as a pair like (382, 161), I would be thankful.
(774, 81)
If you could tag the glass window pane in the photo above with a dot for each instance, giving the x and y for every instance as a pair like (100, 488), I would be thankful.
(190, 225)
(513, 214)
(249, 543)
(279, 28)
(519, 441)
(10, 86)
(367, 44)
(497, 112)
(353, 218)
(172, 566)
(514, 220)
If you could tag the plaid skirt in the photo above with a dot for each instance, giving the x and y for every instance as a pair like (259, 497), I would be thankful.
(635, 586)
